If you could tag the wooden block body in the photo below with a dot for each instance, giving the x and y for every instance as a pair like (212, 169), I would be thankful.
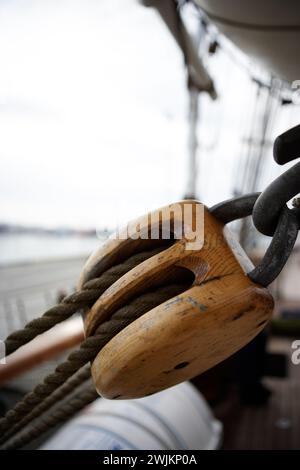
(188, 334)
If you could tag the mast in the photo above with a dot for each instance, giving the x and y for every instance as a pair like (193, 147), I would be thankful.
(198, 79)
(190, 192)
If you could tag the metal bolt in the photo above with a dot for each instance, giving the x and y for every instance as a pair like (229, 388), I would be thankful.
(296, 202)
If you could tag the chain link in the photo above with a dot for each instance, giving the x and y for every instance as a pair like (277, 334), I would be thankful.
(270, 213)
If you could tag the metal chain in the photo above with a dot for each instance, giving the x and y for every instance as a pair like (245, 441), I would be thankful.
(269, 210)
(269, 205)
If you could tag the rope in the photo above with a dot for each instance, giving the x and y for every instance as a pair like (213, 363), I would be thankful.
(57, 417)
(77, 379)
(87, 352)
(71, 304)
(60, 376)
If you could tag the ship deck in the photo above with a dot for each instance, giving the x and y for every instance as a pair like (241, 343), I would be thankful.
(273, 426)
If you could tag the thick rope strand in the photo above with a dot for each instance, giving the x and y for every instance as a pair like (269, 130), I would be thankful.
(60, 415)
(72, 303)
(114, 273)
(69, 386)
(88, 351)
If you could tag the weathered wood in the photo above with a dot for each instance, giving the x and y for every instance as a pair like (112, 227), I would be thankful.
(188, 334)
(44, 347)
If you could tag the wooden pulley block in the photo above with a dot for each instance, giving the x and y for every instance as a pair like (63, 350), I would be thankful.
(218, 314)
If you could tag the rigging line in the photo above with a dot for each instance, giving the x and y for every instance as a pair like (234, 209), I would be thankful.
(242, 25)
(263, 115)
(273, 113)
(247, 167)
(239, 169)
(267, 120)
(245, 178)
(266, 124)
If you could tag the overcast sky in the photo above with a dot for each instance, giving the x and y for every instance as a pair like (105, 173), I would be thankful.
(93, 115)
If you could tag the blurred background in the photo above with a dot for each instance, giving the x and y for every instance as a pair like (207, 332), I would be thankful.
(99, 124)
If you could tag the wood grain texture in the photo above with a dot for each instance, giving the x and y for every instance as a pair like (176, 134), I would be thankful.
(43, 348)
(188, 334)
